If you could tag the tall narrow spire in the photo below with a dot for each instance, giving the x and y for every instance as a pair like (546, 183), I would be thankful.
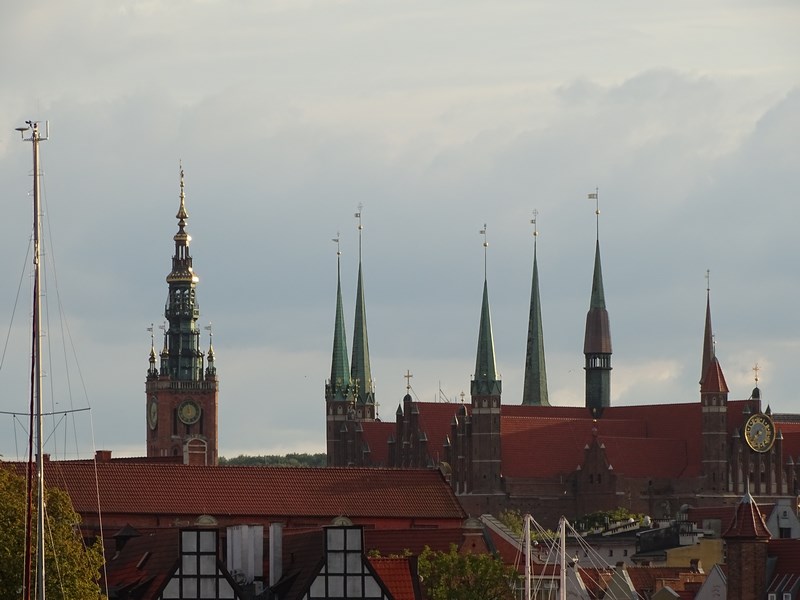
(535, 386)
(360, 371)
(340, 371)
(708, 333)
(597, 340)
(485, 380)
(184, 361)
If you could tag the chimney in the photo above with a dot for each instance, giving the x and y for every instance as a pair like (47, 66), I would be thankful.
(275, 553)
(102, 456)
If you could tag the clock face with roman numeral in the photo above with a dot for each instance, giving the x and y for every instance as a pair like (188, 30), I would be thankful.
(189, 412)
(759, 432)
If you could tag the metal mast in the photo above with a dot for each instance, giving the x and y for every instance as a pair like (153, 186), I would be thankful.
(36, 378)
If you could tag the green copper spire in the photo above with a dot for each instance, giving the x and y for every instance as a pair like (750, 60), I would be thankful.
(597, 341)
(535, 387)
(708, 333)
(339, 385)
(360, 372)
(184, 360)
(485, 380)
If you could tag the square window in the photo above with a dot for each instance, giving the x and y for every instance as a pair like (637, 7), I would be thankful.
(208, 588)
(207, 541)
(354, 539)
(353, 562)
(335, 562)
(189, 564)
(189, 539)
(354, 586)
(335, 539)
(335, 587)
(189, 588)
(208, 564)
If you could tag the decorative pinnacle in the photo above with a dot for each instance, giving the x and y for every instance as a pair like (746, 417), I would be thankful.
(408, 377)
(163, 327)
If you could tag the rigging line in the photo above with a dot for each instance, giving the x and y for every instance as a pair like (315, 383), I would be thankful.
(99, 510)
(62, 323)
(16, 302)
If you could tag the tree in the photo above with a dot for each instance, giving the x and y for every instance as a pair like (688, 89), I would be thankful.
(73, 570)
(455, 576)
(272, 460)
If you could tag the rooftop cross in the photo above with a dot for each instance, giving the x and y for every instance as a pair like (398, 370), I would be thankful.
(408, 377)
(596, 197)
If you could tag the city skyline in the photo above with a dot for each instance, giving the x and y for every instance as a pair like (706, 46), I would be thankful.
(438, 120)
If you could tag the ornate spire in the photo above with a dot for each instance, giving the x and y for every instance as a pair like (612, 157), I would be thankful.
(360, 370)
(339, 385)
(211, 369)
(183, 356)
(597, 340)
(535, 386)
(708, 334)
(152, 372)
(485, 380)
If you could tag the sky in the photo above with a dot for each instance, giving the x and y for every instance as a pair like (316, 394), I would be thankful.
(436, 118)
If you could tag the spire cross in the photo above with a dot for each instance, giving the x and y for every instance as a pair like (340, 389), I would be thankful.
(408, 377)
(596, 197)
(535, 230)
(756, 369)
(360, 228)
(462, 394)
(485, 248)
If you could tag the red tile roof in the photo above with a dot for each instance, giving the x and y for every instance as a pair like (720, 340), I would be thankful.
(375, 435)
(398, 575)
(714, 380)
(748, 522)
(167, 489)
(144, 563)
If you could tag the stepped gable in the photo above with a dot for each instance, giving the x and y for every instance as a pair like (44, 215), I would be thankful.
(167, 489)
(399, 575)
(748, 522)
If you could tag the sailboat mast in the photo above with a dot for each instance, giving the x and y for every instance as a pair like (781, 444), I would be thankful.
(35, 138)
(527, 535)
(562, 557)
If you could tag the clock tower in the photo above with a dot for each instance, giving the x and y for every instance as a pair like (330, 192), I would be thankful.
(182, 392)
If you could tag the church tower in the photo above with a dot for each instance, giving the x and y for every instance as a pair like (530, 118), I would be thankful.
(339, 402)
(182, 395)
(485, 389)
(714, 406)
(534, 391)
(597, 340)
(360, 371)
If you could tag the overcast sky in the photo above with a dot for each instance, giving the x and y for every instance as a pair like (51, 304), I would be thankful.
(438, 117)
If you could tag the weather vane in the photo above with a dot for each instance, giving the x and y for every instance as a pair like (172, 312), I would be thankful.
(596, 197)
(485, 248)
(360, 228)
(336, 241)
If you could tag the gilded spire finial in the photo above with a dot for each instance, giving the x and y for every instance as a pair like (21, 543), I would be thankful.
(756, 369)
(182, 214)
(408, 377)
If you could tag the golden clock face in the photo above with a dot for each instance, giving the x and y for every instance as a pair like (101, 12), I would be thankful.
(759, 432)
(189, 412)
(152, 413)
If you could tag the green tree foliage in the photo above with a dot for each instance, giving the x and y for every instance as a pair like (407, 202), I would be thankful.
(455, 576)
(73, 570)
(274, 460)
(514, 520)
(606, 517)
